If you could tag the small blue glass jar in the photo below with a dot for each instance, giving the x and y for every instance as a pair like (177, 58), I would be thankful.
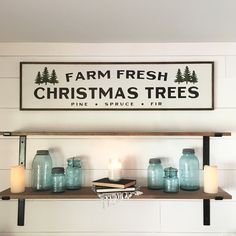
(73, 174)
(58, 180)
(189, 170)
(155, 174)
(171, 181)
(41, 176)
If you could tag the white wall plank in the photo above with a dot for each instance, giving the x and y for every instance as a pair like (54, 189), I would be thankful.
(231, 66)
(133, 152)
(187, 216)
(9, 93)
(8, 152)
(138, 216)
(82, 216)
(118, 120)
(225, 93)
(4, 179)
(118, 49)
(223, 153)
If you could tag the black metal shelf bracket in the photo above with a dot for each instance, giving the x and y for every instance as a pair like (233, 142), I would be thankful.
(206, 161)
(21, 212)
(22, 161)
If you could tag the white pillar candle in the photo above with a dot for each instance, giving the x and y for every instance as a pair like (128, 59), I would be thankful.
(210, 179)
(114, 170)
(17, 179)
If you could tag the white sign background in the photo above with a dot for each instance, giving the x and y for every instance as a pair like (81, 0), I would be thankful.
(139, 91)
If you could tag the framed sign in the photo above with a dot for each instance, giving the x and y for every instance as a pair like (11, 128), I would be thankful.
(117, 85)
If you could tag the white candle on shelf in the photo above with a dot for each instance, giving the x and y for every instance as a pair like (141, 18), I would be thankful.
(210, 179)
(17, 179)
(114, 170)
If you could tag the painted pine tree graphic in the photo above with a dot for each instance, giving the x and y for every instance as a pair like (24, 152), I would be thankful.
(53, 79)
(45, 77)
(194, 78)
(187, 75)
(179, 77)
(39, 79)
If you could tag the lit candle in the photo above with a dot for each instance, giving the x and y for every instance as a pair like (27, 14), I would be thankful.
(17, 179)
(210, 179)
(114, 170)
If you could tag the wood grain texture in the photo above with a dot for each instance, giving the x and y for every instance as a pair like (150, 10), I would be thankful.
(88, 193)
(113, 133)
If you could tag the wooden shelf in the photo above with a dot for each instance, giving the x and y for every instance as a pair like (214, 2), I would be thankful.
(87, 193)
(114, 133)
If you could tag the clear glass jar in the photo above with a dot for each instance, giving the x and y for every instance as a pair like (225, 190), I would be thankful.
(73, 174)
(171, 181)
(155, 174)
(41, 171)
(58, 180)
(189, 170)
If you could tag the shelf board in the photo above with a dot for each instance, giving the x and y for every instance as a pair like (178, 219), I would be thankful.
(113, 133)
(159, 194)
(87, 193)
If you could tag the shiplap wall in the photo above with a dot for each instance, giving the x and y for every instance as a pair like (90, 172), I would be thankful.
(130, 217)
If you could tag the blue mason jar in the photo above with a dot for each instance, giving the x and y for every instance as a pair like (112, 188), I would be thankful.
(171, 181)
(58, 180)
(41, 171)
(155, 174)
(189, 170)
(73, 174)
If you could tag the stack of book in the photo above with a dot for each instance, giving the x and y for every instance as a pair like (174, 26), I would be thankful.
(106, 186)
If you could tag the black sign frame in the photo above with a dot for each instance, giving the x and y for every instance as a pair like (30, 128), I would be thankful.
(22, 108)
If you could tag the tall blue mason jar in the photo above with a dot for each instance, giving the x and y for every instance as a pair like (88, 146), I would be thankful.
(155, 174)
(73, 173)
(189, 170)
(41, 171)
